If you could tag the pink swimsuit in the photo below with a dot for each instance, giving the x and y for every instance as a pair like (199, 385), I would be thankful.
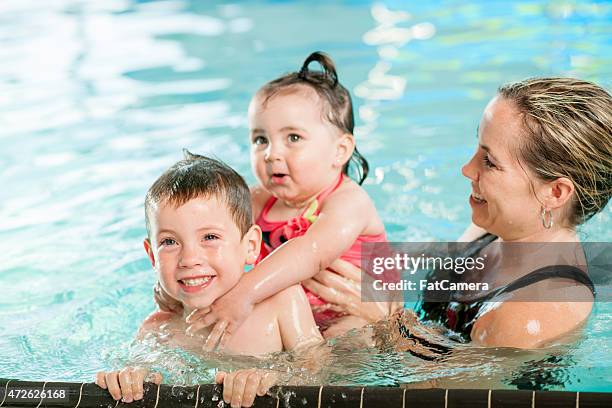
(275, 233)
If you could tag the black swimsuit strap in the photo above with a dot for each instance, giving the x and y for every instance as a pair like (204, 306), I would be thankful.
(546, 272)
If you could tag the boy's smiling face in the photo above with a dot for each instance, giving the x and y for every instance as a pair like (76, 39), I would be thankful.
(198, 251)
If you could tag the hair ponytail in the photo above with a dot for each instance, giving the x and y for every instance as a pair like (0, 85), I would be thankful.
(329, 69)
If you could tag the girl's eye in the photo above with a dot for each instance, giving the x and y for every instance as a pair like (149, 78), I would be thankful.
(210, 237)
(167, 242)
(259, 140)
(293, 137)
(488, 162)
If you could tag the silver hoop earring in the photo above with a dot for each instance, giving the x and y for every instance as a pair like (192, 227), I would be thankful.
(547, 224)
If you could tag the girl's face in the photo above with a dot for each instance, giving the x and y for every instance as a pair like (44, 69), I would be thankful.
(503, 199)
(295, 152)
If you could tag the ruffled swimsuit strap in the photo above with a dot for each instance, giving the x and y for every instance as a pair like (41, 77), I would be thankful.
(277, 232)
(310, 213)
(262, 218)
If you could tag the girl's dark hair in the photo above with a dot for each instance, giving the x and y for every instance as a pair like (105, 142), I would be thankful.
(337, 104)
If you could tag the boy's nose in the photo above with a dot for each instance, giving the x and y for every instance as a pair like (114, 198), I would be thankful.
(190, 257)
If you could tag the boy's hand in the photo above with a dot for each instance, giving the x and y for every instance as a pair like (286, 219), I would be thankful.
(126, 384)
(227, 313)
(240, 387)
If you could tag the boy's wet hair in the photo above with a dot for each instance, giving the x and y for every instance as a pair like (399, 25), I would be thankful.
(337, 104)
(199, 176)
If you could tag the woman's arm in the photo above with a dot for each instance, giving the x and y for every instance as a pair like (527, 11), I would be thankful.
(340, 285)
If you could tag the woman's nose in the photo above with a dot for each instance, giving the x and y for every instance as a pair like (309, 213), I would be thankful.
(470, 169)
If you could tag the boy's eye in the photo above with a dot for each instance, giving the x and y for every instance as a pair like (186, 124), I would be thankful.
(210, 237)
(293, 137)
(259, 140)
(167, 242)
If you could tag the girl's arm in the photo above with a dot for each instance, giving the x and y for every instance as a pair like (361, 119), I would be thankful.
(345, 215)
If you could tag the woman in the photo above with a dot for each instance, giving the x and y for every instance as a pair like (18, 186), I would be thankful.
(542, 167)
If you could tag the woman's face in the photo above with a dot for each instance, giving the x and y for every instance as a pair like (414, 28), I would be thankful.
(503, 199)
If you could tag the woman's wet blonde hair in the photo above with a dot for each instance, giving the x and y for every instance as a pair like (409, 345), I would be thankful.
(568, 133)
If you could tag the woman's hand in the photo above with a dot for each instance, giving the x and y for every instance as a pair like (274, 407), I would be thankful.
(126, 384)
(340, 285)
(227, 313)
(166, 302)
(240, 387)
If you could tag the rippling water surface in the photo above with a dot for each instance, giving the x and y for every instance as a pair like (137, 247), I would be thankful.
(97, 98)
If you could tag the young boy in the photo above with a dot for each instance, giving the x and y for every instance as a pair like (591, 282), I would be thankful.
(200, 237)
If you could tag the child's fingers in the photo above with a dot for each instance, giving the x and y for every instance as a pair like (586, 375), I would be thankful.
(250, 388)
(238, 386)
(138, 376)
(112, 382)
(215, 335)
(201, 321)
(219, 377)
(228, 383)
(155, 378)
(125, 382)
(100, 380)
(268, 379)
(197, 314)
(225, 337)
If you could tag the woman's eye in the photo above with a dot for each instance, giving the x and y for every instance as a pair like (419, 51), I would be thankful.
(487, 162)
(293, 137)
(259, 140)
(167, 242)
(210, 237)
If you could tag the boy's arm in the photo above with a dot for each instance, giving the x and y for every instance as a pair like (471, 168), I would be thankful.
(153, 322)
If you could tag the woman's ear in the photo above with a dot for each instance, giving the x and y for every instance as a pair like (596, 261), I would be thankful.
(345, 149)
(149, 250)
(557, 193)
(252, 240)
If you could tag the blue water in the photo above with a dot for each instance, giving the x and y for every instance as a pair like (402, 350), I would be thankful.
(97, 98)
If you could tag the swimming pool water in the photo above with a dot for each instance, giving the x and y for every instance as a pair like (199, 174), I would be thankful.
(97, 98)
